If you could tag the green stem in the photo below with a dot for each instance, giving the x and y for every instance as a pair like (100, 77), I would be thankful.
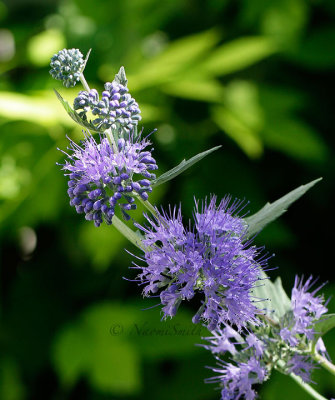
(110, 137)
(128, 233)
(324, 363)
(81, 77)
(84, 83)
(307, 388)
(148, 206)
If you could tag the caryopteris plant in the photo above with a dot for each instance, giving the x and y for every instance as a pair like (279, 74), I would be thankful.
(212, 258)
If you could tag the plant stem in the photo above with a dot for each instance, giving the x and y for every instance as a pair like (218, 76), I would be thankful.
(128, 233)
(324, 362)
(148, 206)
(307, 388)
(84, 83)
(110, 137)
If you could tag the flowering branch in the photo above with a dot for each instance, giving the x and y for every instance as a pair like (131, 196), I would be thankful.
(214, 259)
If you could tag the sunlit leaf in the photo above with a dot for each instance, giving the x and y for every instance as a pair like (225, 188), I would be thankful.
(247, 138)
(272, 211)
(196, 89)
(242, 99)
(183, 166)
(178, 56)
(38, 109)
(238, 54)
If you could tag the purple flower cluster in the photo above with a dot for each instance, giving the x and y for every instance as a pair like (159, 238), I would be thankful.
(212, 259)
(100, 177)
(306, 309)
(116, 109)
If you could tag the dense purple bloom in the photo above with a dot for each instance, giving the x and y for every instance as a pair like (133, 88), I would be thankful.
(101, 178)
(66, 66)
(116, 108)
(237, 380)
(306, 309)
(213, 259)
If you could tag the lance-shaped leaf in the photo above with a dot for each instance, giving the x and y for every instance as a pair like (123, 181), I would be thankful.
(271, 298)
(184, 165)
(325, 324)
(272, 211)
(75, 116)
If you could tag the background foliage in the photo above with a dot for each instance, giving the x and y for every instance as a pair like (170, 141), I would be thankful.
(253, 76)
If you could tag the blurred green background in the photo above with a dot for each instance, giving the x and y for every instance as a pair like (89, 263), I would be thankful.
(256, 77)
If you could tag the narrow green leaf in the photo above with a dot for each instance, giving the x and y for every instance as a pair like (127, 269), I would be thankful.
(238, 54)
(275, 301)
(74, 115)
(270, 212)
(325, 324)
(184, 165)
(178, 58)
(195, 88)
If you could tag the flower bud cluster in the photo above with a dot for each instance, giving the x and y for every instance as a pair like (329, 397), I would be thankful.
(66, 66)
(116, 109)
(101, 177)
